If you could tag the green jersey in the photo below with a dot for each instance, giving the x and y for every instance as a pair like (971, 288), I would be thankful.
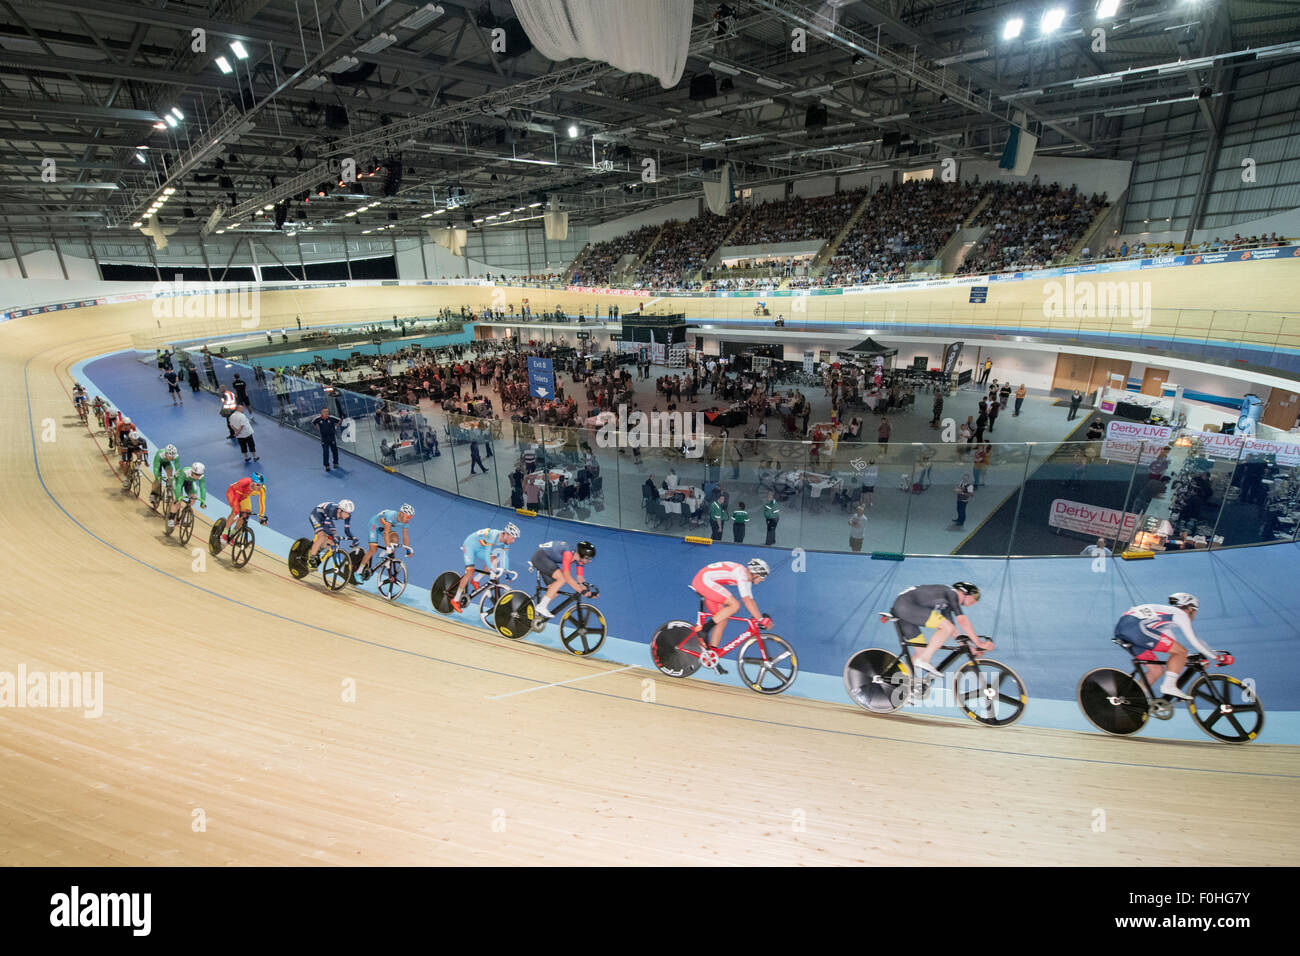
(771, 511)
(180, 486)
(159, 462)
(739, 517)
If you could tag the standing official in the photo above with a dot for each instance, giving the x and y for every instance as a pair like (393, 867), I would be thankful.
(328, 428)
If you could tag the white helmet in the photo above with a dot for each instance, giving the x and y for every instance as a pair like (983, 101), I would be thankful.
(135, 434)
(758, 568)
(347, 505)
(197, 469)
(1184, 600)
(408, 510)
(511, 529)
(170, 453)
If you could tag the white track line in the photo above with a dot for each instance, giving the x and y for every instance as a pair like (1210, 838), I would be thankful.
(573, 680)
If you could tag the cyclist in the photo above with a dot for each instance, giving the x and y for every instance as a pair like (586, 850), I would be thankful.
(130, 446)
(190, 484)
(559, 565)
(164, 459)
(239, 495)
(1149, 628)
(121, 428)
(99, 406)
(80, 400)
(110, 424)
(383, 530)
(938, 606)
(322, 520)
(492, 548)
(710, 583)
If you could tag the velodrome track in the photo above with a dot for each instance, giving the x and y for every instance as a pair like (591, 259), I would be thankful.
(224, 694)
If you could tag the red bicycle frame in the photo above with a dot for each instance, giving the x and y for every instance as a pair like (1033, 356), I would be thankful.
(705, 619)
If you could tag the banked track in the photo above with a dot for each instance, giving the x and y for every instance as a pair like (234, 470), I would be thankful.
(230, 733)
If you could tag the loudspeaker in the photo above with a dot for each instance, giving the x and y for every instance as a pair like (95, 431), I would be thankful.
(815, 118)
(336, 117)
(517, 42)
(393, 181)
(708, 165)
(703, 87)
(354, 76)
(281, 213)
(891, 140)
(225, 182)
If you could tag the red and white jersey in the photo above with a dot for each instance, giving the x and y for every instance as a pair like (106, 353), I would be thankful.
(717, 577)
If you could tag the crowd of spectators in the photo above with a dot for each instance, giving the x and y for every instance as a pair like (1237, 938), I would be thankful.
(597, 262)
(906, 222)
(1030, 226)
(683, 249)
(1125, 250)
(798, 219)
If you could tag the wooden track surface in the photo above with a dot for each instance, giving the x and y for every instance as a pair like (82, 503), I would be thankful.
(224, 692)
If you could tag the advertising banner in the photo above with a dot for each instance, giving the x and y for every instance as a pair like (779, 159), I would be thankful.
(950, 357)
(1126, 441)
(1091, 520)
(1136, 431)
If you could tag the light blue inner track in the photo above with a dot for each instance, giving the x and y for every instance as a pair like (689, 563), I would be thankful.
(1052, 618)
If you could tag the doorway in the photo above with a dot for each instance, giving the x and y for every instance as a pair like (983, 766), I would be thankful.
(1153, 380)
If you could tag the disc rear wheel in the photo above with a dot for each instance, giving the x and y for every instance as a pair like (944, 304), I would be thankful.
(875, 681)
(1113, 701)
(512, 614)
(443, 590)
(671, 656)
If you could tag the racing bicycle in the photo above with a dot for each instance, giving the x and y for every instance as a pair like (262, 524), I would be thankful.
(767, 663)
(1118, 703)
(337, 566)
(882, 682)
(389, 573)
(241, 540)
(514, 621)
(582, 626)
